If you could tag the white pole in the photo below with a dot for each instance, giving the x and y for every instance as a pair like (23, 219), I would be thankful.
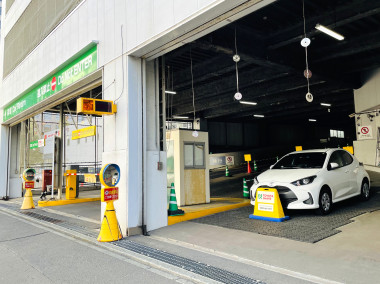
(52, 170)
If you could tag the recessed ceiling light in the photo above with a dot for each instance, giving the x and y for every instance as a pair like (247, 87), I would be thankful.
(258, 115)
(329, 32)
(325, 104)
(180, 117)
(248, 103)
(312, 119)
(170, 92)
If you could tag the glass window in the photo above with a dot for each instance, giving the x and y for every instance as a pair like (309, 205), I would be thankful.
(198, 155)
(301, 161)
(189, 155)
(347, 159)
(336, 157)
(194, 155)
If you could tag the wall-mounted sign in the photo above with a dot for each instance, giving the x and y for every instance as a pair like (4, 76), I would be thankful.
(68, 75)
(41, 142)
(33, 144)
(37, 144)
(365, 132)
(217, 161)
(230, 161)
(83, 132)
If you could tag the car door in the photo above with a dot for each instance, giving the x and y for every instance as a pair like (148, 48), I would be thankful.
(337, 178)
(351, 170)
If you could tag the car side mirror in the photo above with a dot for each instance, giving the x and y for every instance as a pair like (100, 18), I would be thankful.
(332, 166)
(271, 166)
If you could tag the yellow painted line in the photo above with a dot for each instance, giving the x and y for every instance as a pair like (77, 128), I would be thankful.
(65, 202)
(205, 212)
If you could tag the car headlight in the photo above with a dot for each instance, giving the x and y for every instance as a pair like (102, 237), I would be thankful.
(303, 181)
(255, 181)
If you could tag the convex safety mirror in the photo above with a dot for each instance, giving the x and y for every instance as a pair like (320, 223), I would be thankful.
(110, 175)
(29, 174)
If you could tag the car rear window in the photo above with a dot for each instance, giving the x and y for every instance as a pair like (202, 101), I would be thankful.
(301, 161)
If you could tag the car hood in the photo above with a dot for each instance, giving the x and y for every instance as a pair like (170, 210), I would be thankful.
(286, 175)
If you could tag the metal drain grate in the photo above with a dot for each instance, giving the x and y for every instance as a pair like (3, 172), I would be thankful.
(41, 217)
(203, 269)
(199, 268)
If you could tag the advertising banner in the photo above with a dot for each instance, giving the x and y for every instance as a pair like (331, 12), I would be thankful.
(68, 75)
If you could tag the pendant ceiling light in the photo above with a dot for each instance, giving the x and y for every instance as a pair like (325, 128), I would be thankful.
(305, 42)
(238, 96)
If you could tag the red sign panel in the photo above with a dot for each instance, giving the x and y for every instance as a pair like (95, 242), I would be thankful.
(110, 194)
(29, 184)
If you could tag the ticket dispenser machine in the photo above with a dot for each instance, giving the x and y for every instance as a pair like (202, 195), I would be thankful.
(188, 166)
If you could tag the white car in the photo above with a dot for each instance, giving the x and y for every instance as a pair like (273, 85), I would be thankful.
(315, 179)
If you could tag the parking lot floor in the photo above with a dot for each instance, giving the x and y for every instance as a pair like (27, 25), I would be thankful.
(352, 256)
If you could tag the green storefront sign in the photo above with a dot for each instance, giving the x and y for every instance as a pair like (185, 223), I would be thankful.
(34, 144)
(68, 75)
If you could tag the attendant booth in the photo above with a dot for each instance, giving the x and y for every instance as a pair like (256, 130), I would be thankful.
(188, 166)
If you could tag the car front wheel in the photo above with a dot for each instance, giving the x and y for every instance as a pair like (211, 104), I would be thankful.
(364, 192)
(325, 202)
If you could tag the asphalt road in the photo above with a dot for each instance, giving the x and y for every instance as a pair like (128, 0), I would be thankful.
(30, 254)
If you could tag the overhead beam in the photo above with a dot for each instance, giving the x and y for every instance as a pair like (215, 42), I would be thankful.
(255, 92)
(350, 13)
(279, 103)
(215, 90)
(349, 47)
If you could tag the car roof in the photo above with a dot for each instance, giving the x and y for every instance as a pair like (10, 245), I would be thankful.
(317, 150)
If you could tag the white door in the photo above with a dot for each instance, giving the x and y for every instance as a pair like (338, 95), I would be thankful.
(338, 178)
(351, 170)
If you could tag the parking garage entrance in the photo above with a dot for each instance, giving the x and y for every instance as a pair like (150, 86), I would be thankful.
(251, 87)
(55, 142)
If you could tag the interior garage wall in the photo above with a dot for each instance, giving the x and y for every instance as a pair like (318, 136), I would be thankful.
(230, 137)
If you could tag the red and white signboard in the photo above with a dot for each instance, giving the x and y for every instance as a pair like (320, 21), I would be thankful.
(365, 132)
(110, 194)
(53, 83)
(265, 197)
(230, 160)
(28, 184)
(41, 143)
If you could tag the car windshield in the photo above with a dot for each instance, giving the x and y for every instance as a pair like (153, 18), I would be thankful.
(301, 161)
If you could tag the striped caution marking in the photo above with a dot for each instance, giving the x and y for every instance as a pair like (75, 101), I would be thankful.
(245, 189)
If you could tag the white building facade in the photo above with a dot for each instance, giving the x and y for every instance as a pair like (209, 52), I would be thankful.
(114, 44)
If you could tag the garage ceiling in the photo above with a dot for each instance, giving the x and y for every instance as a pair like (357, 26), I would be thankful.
(273, 61)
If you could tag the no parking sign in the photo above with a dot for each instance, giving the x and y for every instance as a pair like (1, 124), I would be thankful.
(230, 160)
(365, 132)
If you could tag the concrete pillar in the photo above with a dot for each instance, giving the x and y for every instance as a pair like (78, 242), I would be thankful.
(155, 184)
(4, 166)
(123, 138)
